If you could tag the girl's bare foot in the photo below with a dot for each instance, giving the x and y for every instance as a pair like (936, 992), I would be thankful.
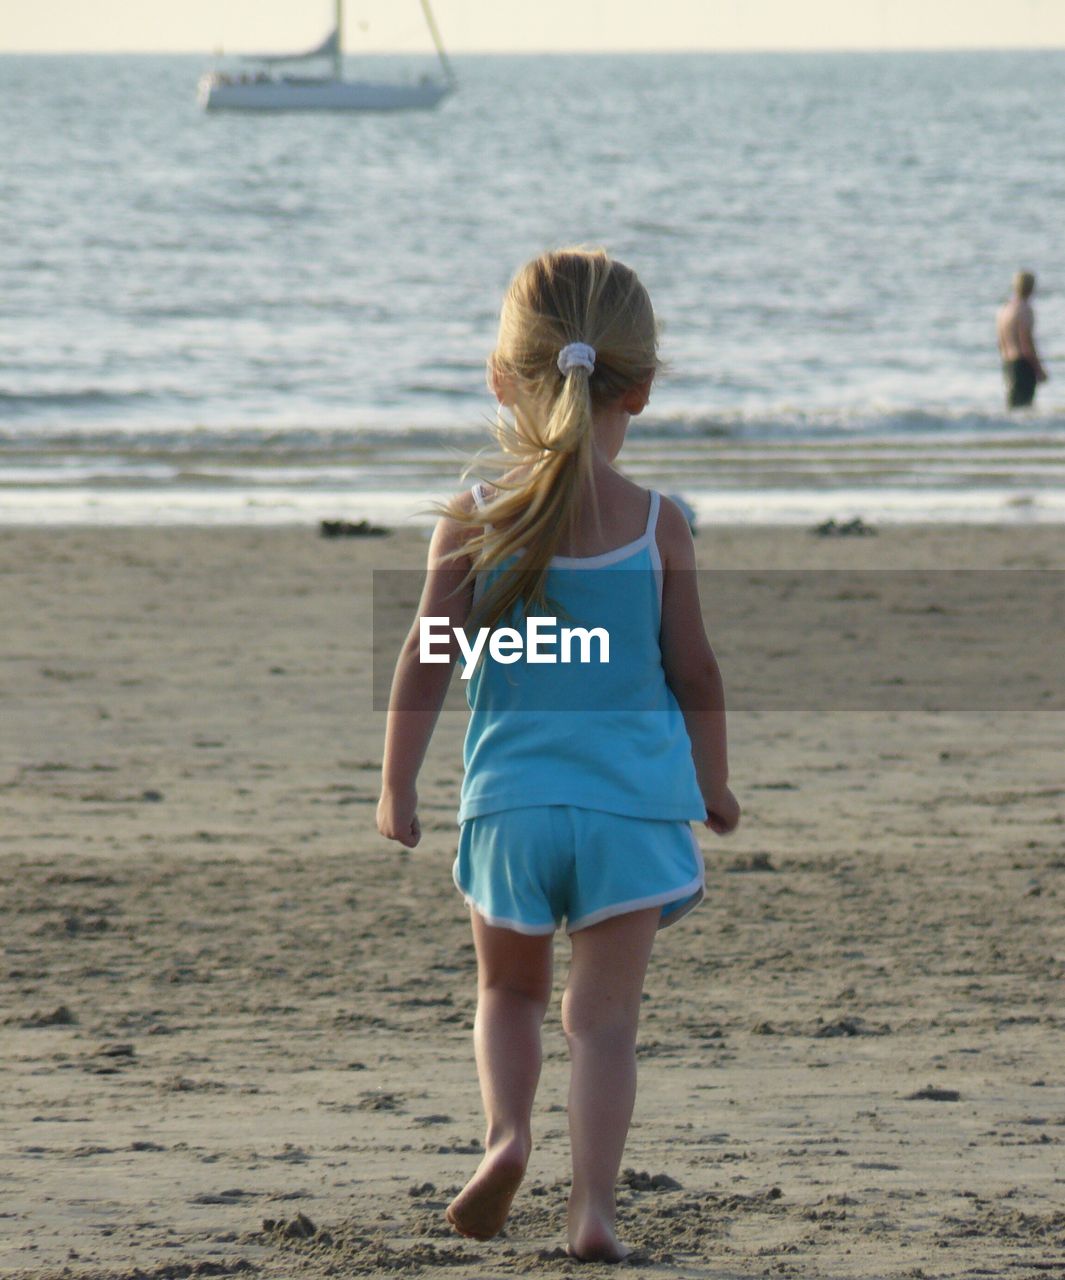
(480, 1209)
(592, 1239)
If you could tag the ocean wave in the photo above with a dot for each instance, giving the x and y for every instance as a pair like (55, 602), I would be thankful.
(243, 443)
(16, 402)
(792, 423)
(786, 430)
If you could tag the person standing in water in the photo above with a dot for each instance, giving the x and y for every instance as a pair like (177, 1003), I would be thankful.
(1021, 365)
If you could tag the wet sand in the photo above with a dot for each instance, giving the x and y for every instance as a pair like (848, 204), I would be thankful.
(227, 1002)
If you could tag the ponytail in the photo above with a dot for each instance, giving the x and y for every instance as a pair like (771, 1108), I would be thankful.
(576, 332)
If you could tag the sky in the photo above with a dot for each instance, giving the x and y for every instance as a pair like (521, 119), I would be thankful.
(532, 25)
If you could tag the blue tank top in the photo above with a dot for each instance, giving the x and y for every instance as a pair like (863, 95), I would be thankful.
(596, 735)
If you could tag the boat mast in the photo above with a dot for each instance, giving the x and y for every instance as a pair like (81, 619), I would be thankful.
(430, 22)
(338, 42)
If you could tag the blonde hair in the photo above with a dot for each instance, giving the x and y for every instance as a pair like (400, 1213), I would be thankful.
(570, 295)
(1023, 284)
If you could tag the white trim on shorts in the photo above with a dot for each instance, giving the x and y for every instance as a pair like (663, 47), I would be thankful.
(694, 889)
(499, 922)
(639, 904)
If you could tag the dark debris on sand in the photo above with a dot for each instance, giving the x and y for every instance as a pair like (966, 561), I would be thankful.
(932, 1093)
(856, 528)
(852, 1026)
(751, 862)
(819, 1029)
(352, 529)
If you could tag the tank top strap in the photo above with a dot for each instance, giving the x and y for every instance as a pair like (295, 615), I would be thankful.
(652, 546)
(652, 515)
(480, 497)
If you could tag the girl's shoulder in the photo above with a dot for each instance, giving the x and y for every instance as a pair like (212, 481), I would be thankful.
(469, 500)
(480, 496)
(674, 536)
(457, 522)
(484, 491)
(668, 519)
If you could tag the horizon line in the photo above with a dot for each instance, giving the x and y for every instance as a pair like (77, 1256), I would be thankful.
(579, 52)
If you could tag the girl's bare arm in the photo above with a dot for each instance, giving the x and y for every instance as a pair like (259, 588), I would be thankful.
(419, 689)
(692, 671)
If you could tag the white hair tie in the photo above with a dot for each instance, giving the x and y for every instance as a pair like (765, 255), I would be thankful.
(576, 355)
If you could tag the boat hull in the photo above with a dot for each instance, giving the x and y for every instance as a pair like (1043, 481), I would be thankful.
(217, 93)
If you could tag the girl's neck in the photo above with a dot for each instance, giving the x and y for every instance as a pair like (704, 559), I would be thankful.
(609, 426)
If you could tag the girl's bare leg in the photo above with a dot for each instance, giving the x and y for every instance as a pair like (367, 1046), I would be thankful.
(513, 988)
(600, 1013)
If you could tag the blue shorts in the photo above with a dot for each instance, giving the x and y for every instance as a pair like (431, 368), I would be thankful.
(528, 869)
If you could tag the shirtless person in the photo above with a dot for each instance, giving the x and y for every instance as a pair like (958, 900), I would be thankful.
(1020, 362)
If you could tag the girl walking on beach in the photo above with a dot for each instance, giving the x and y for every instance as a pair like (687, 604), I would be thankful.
(581, 780)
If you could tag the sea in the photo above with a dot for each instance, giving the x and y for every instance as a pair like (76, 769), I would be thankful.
(260, 319)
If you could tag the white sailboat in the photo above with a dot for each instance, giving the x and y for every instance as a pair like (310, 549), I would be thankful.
(264, 91)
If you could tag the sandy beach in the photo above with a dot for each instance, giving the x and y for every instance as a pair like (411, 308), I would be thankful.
(237, 1022)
